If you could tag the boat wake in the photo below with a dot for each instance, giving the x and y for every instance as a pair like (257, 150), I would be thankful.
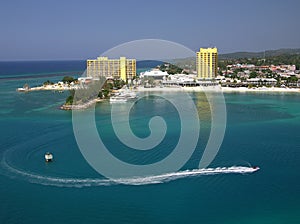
(155, 179)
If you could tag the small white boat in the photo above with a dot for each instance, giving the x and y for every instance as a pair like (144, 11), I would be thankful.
(48, 157)
(255, 168)
(123, 97)
(118, 99)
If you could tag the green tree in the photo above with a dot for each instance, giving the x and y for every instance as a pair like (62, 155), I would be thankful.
(118, 83)
(105, 93)
(69, 100)
(48, 83)
(100, 94)
(253, 74)
(68, 79)
(171, 69)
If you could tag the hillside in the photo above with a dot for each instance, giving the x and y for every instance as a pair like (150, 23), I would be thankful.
(280, 56)
(268, 53)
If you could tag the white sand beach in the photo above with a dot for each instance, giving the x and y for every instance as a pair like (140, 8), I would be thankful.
(218, 88)
(261, 89)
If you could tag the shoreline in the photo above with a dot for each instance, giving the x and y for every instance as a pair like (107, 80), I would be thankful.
(48, 87)
(80, 106)
(191, 89)
(262, 89)
(141, 89)
(171, 89)
(218, 88)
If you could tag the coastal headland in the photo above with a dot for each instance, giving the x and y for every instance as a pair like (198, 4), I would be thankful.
(218, 88)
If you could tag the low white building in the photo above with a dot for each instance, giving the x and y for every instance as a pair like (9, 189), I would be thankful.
(155, 73)
(85, 80)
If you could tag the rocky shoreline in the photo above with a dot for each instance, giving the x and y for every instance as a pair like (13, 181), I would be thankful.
(80, 106)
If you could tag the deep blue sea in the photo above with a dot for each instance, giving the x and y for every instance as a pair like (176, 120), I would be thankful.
(262, 129)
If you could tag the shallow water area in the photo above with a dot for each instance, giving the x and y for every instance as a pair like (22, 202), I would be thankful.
(262, 129)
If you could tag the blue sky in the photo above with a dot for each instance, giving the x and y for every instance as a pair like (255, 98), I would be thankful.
(84, 29)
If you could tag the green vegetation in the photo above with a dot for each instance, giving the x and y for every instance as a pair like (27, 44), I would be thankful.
(276, 57)
(253, 74)
(68, 79)
(96, 89)
(85, 94)
(118, 83)
(69, 100)
(48, 83)
(170, 68)
(104, 93)
(284, 59)
(262, 54)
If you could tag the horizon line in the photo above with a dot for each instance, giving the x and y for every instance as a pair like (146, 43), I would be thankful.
(82, 59)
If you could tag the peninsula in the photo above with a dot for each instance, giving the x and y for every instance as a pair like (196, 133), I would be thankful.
(106, 77)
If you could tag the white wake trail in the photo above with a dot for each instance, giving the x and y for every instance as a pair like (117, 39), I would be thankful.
(155, 179)
(187, 173)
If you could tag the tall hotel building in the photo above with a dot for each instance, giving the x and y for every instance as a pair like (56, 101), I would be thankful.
(207, 63)
(122, 68)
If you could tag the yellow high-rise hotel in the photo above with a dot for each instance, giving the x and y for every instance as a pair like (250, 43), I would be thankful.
(207, 63)
(122, 68)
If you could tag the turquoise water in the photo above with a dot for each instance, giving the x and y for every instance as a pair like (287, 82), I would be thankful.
(262, 129)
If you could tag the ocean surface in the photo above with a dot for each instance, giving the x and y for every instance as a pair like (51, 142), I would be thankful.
(262, 130)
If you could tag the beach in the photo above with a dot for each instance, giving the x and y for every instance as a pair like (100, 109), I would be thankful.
(261, 89)
(218, 88)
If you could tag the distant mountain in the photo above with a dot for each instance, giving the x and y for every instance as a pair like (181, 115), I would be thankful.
(268, 53)
(187, 63)
(280, 56)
